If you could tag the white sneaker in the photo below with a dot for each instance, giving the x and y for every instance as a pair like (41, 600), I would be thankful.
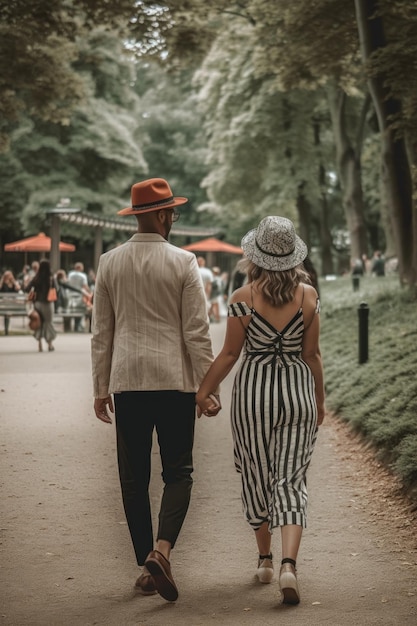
(288, 583)
(265, 571)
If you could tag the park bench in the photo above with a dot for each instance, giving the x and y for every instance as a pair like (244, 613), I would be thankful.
(15, 305)
(12, 305)
(64, 315)
(74, 309)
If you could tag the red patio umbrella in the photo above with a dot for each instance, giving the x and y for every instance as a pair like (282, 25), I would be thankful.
(213, 245)
(37, 243)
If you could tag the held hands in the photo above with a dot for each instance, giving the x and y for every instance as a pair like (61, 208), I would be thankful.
(102, 406)
(209, 405)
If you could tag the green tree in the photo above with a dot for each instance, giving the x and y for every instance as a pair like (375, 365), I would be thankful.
(263, 151)
(39, 44)
(255, 47)
(241, 124)
(92, 160)
(171, 132)
(297, 61)
(384, 28)
(286, 37)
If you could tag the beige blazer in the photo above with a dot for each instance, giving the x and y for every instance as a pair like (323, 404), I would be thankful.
(150, 327)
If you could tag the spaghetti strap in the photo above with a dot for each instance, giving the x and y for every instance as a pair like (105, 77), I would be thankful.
(251, 296)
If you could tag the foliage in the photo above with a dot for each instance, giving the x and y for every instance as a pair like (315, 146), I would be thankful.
(398, 154)
(39, 45)
(263, 71)
(170, 133)
(371, 172)
(281, 39)
(261, 141)
(405, 464)
(92, 160)
(137, 120)
(377, 398)
(397, 60)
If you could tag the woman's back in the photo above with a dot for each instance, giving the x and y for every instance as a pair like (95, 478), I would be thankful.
(279, 316)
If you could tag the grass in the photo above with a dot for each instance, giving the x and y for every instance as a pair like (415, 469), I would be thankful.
(378, 399)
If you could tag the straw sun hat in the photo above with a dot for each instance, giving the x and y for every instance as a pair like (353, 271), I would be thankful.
(274, 244)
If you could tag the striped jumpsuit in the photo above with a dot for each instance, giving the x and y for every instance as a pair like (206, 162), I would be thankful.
(274, 420)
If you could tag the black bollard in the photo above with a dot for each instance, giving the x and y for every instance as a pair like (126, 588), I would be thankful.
(363, 314)
(356, 282)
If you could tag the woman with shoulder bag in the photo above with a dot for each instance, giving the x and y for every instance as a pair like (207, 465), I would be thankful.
(45, 295)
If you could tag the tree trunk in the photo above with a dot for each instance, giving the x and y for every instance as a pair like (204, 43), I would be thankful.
(327, 266)
(304, 215)
(390, 241)
(349, 166)
(396, 176)
(412, 158)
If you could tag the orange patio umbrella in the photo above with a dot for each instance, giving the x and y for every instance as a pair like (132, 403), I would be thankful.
(37, 243)
(213, 245)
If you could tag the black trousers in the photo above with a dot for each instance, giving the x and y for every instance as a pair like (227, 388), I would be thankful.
(172, 414)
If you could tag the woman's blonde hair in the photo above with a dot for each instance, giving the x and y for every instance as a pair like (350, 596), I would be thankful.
(276, 287)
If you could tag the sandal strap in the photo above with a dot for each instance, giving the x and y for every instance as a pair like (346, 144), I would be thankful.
(286, 560)
(265, 556)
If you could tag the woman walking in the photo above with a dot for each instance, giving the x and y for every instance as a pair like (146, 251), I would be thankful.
(278, 392)
(40, 286)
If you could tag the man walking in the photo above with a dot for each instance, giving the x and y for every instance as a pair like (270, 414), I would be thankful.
(150, 349)
(77, 279)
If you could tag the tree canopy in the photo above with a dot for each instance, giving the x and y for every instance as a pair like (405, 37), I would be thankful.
(257, 106)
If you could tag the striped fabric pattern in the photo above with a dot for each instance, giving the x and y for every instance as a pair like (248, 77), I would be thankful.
(274, 421)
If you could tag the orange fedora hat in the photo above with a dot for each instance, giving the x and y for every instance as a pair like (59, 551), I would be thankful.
(151, 195)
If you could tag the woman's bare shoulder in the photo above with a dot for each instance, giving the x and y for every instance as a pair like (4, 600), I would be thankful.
(311, 301)
(310, 292)
(243, 294)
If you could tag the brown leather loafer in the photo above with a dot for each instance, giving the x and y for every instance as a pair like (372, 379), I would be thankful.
(145, 584)
(160, 569)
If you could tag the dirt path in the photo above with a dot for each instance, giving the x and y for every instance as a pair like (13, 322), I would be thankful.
(66, 557)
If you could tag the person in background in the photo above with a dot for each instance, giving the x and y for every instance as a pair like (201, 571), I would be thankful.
(78, 278)
(34, 268)
(40, 285)
(357, 267)
(91, 278)
(366, 264)
(151, 348)
(24, 276)
(378, 264)
(206, 277)
(216, 293)
(278, 393)
(8, 284)
(88, 298)
(63, 291)
(236, 280)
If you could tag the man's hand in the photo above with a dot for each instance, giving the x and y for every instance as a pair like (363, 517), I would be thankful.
(209, 406)
(102, 406)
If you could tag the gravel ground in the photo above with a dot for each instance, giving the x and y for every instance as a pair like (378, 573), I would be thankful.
(66, 557)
